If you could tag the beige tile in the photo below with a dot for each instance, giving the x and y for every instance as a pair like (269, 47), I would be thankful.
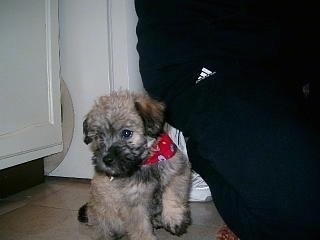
(8, 205)
(67, 181)
(53, 193)
(49, 211)
(194, 232)
(71, 196)
(205, 214)
(33, 193)
(26, 197)
(35, 222)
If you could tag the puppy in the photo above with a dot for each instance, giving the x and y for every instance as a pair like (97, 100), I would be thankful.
(141, 180)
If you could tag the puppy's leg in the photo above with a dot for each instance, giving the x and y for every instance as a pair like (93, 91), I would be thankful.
(138, 224)
(175, 213)
(85, 215)
(82, 214)
(105, 220)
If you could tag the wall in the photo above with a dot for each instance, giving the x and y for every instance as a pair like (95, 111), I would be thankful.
(97, 48)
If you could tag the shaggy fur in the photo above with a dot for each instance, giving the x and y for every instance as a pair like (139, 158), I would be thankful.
(126, 196)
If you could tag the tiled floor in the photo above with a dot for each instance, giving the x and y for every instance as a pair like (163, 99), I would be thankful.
(49, 211)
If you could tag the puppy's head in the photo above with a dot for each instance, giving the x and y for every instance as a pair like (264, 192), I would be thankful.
(118, 127)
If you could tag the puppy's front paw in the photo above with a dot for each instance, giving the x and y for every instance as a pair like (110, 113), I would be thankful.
(177, 224)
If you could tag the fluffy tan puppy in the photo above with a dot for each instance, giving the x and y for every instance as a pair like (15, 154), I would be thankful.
(142, 179)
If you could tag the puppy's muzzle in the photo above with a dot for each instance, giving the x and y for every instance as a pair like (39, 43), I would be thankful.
(113, 153)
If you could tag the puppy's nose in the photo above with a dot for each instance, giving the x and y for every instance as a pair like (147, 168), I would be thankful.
(107, 159)
(112, 154)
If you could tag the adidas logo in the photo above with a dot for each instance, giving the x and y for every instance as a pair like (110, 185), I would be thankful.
(204, 74)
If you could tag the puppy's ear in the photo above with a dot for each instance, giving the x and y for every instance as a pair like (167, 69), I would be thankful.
(86, 139)
(152, 114)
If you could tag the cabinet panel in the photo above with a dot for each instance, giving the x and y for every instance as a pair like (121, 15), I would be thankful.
(30, 121)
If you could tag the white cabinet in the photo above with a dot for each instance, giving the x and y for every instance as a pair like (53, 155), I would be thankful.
(30, 118)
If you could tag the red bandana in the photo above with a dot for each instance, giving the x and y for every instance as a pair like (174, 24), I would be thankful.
(163, 149)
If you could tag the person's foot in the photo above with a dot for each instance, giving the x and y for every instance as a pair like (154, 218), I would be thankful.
(224, 233)
(200, 191)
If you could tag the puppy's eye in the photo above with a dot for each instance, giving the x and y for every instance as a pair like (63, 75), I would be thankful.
(125, 134)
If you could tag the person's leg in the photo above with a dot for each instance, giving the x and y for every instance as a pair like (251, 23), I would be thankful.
(228, 202)
(247, 221)
(260, 160)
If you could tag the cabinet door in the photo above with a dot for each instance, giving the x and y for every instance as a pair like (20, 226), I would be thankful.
(30, 121)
